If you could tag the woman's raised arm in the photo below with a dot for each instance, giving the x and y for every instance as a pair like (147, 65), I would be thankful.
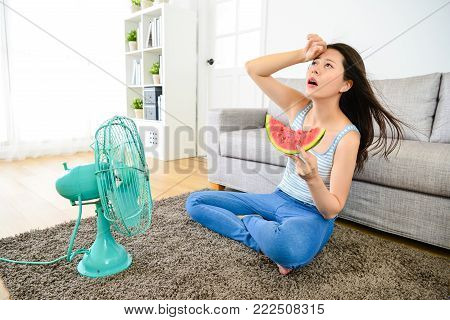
(291, 101)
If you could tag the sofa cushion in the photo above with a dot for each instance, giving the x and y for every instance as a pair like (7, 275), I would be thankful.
(252, 144)
(441, 125)
(412, 100)
(413, 165)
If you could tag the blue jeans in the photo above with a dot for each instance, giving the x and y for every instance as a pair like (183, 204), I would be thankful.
(288, 231)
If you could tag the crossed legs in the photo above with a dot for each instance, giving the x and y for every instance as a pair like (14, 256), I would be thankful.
(287, 232)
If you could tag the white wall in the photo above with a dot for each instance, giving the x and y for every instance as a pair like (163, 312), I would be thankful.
(366, 25)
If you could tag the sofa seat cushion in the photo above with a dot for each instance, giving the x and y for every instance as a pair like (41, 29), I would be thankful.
(251, 144)
(413, 165)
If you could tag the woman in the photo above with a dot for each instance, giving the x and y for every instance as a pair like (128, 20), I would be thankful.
(293, 224)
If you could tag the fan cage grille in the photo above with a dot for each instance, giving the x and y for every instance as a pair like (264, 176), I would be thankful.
(123, 176)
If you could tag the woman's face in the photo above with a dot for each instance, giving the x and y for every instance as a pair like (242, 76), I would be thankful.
(328, 72)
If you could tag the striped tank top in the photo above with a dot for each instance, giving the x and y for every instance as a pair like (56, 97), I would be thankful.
(292, 183)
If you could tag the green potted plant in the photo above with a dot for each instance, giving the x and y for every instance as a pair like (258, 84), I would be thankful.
(155, 72)
(132, 37)
(138, 108)
(135, 5)
(147, 3)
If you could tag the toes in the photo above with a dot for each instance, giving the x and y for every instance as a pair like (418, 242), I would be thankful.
(284, 271)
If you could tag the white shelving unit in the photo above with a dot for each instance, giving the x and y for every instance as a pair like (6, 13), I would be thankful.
(174, 135)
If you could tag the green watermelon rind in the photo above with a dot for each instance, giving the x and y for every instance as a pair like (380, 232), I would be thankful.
(316, 141)
(307, 147)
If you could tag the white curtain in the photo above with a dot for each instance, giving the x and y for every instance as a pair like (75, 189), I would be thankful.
(4, 79)
(66, 73)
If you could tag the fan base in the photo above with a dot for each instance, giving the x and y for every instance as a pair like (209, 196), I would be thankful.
(96, 270)
(105, 257)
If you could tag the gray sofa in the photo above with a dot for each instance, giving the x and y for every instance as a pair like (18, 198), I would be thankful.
(409, 195)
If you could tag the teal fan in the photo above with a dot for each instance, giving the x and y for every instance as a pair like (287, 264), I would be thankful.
(119, 183)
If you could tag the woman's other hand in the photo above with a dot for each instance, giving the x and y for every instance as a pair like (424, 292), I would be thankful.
(305, 164)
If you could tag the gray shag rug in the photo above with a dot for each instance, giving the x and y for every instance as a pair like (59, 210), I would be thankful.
(180, 259)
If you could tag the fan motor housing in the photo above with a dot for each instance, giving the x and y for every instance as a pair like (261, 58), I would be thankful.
(79, 181)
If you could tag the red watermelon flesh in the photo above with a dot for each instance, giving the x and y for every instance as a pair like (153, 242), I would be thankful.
(286, 140)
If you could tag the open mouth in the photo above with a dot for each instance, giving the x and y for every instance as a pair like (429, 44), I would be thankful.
(312, 82)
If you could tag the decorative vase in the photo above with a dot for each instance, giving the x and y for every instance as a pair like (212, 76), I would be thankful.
(156, 79)
(139, 113)
(132, 45)
(135, 8)
(146, 3)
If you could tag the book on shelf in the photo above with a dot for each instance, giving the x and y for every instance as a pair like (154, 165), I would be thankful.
(157, 30)
(161, 106)
(133, 75)
(136, 73)
(153, 33)
(149, 34)
(160, 69)
(138, 35)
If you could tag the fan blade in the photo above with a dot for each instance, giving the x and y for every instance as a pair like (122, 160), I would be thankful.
(126, 206)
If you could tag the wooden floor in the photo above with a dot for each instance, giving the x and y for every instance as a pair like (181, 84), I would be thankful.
(29, 199)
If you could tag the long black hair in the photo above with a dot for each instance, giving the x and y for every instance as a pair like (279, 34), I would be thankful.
(361, 105)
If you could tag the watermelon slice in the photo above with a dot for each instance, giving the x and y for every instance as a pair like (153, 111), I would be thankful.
(286, 140)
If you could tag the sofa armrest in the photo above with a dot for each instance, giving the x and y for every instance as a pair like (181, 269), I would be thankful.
(226, 120)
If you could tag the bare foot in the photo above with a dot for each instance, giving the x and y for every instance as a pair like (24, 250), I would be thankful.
(284, 271)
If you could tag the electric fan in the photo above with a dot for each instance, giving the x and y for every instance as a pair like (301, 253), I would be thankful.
(119, 178)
